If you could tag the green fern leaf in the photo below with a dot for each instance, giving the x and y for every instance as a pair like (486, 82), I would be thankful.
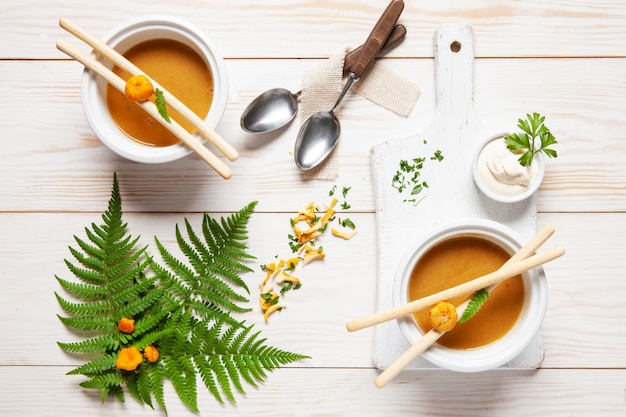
(84, 291)
(87, 307)
(99, 344)
(98, 365)
(106, 380)
(476, 302)
(87, 275)
(181, 372)
(183, 308)
(88, 324)
(207, 375)
(222, 377)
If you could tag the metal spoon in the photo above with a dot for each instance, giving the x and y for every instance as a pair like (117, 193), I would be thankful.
(319, 135)
(277, 107)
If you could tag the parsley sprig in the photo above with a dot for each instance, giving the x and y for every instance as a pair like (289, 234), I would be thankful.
(476, 302)
(534, 138)
(161, 105)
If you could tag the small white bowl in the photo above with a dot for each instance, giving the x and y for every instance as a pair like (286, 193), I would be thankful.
(500, 351)
(512, 194)
(122, 38)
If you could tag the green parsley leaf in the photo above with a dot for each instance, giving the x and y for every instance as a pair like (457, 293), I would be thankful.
(161, 105)
(534, 138)
(476, 302)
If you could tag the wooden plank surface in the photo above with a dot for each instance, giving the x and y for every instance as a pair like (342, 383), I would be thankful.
(249, 29)
(564, 59)
(345, 392)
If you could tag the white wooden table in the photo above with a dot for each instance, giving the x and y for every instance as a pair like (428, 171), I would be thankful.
(564, 59)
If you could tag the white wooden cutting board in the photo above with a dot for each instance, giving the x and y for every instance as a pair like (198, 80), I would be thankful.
(456, 132)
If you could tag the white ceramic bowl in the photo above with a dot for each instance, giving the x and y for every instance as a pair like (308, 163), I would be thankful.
(122, 38)
(480, 171)
(500, 351)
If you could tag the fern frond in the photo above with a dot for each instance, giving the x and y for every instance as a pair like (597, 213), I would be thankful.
(91, 250)
(96, 366)
(82, 309)
(234, 373)
(139, 303)
(130, 265)
(88, 262)
(89, 276)
(147, 382)
(85, 291)
(181, 372)
(221, 375)
(179, 270)
(87, 324)
(114, 391)
(107, 380)
(207, 375)
(180, 306)
(99, 344)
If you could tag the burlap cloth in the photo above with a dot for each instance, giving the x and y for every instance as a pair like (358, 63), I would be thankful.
(322, 84)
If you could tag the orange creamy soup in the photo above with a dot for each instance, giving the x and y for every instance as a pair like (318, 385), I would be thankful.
(180, 70)
(458, 260)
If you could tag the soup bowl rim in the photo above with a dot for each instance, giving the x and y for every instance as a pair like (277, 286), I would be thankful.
(501, 351)
(130, 33)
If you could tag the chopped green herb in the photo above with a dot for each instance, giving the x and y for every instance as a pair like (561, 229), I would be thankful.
(332, 191)
(345, 205)
(287, 286)
(347, 223)
(437, 156)
(408, 175)
(345, 191)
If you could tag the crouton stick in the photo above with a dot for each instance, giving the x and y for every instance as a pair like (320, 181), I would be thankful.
(507, 271)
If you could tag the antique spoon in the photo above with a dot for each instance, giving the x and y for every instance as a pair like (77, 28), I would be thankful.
(319, 135)
(277, 107)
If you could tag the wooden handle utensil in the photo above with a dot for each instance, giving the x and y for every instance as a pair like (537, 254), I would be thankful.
(377, 37)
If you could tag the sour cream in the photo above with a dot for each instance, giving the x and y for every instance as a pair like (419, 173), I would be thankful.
(500, 171)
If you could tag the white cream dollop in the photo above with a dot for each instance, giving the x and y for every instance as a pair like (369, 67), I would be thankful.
(500, 170)
(508, 170)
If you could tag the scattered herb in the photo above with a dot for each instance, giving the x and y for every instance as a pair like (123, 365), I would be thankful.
(409, 175)
(347, 223)
(345, 191)
(345, 205)
(476, 302)
(535, 138)
(183, 308)
(437, 156)
(161, 105)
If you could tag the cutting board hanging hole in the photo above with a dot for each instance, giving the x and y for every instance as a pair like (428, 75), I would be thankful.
(455, 46)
